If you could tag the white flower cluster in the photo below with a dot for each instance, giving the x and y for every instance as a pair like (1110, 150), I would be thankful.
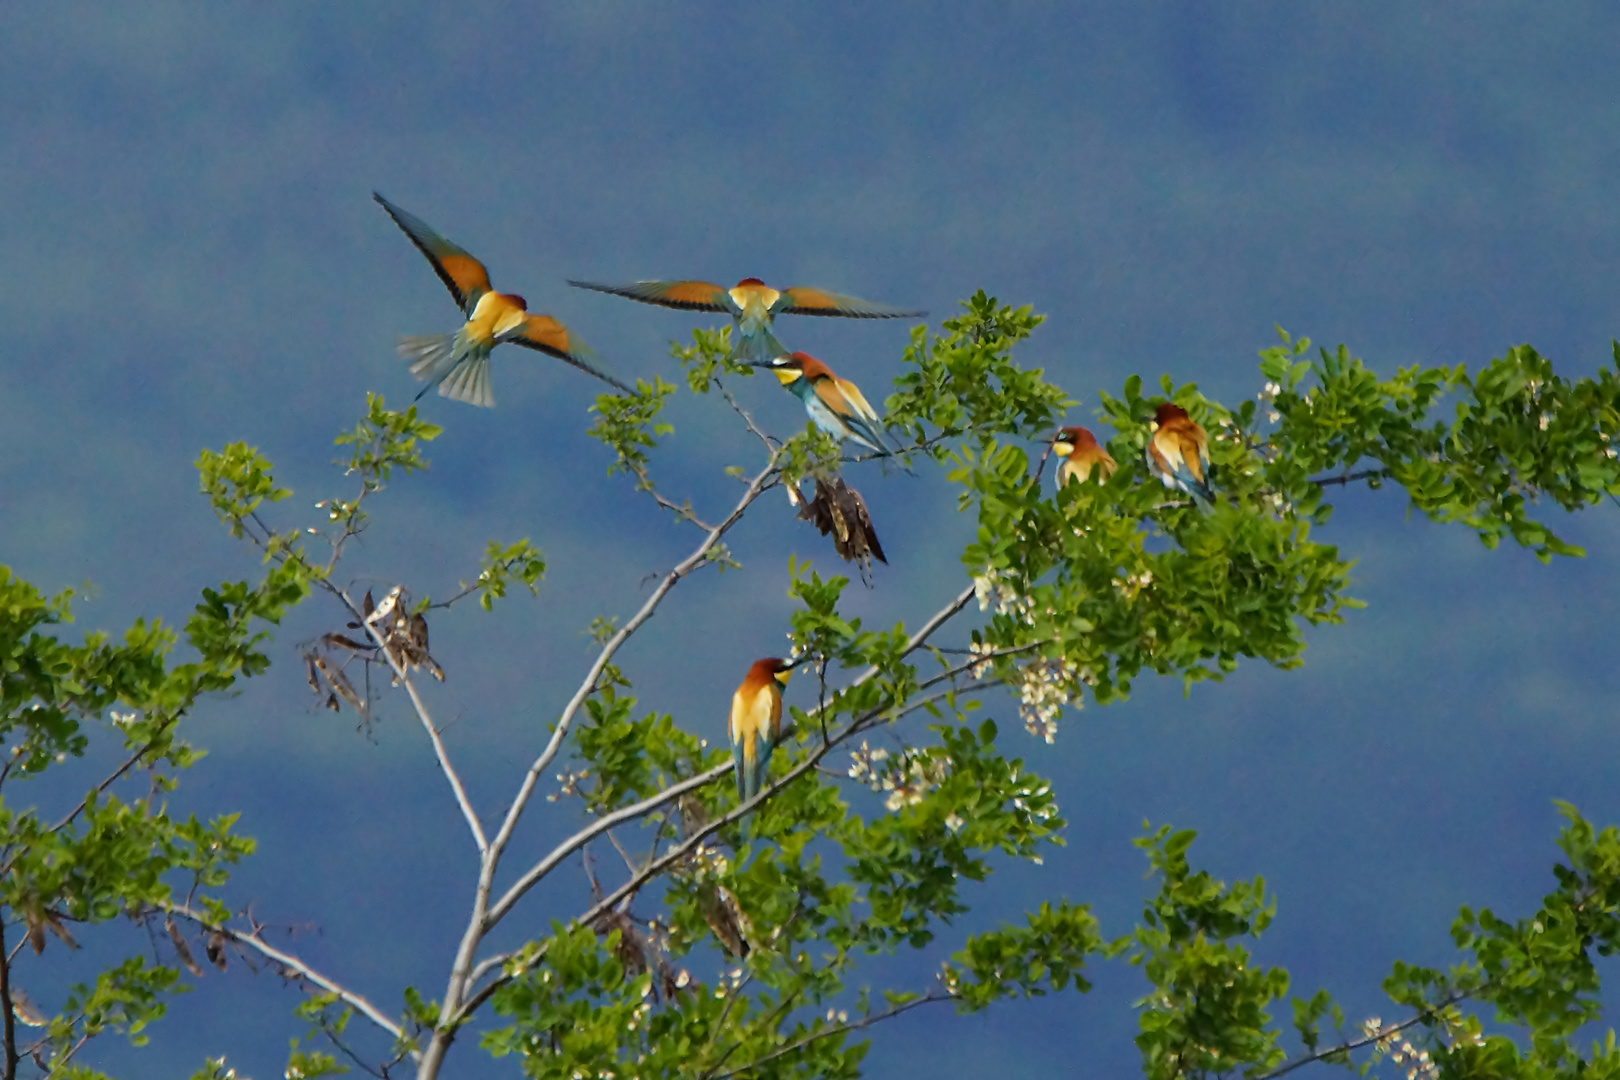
(994, 588)
(1419, 1066)
(1268, 393)
(867, 764)
(1044, 687)
(795, 650)
(709, 862)
(569, 782)
(1131, 584)
(984, 649)
(123, 720)
(906, 779)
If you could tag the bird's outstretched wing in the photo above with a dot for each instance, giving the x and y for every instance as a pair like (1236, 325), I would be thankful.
(687, 295)
(547, 335)
(462, 274)
(803, 301)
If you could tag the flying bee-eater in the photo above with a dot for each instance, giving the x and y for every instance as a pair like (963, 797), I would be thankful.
(756, 722)
(458, 364)
(752, 306)
(1081, 455)
(835, 405)
(1177, 452)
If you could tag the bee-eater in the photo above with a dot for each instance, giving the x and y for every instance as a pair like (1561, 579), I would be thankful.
(756, 722)
(835, 405)
(838, 510)
(1081, 455)
(458, 364)
(752, 306)
(1177, 452)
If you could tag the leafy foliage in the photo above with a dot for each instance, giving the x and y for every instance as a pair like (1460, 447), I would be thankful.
(720, 939)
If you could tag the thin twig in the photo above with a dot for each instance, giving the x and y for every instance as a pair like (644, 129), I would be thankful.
(839, 1029)
(539, 870)
(1349, 478)
(1380, 1034)
(293, 967)
(682, 511)
(770, 444)
(916, 641)
(439, 751)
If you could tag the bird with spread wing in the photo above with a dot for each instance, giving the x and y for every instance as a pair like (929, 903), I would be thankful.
(458, 364)
(753, 306)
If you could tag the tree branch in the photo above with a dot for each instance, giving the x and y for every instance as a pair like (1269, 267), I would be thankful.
(587, 686)
(539, 870)
(456, 1004)
(404, 679)
(853, 1025)
(1349, 478)
(655, 867)
(1377, 1036)
(8, 1023)
(295, 968)
(770, 447)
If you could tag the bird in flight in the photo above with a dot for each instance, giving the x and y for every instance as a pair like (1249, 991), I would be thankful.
(756, 722)
(458, 364)
(835, 405)
(752, 306)
(1177, 452)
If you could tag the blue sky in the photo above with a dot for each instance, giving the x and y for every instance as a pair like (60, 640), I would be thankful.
(189, 255)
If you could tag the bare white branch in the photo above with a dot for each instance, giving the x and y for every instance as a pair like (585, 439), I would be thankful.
(439, 752)
(699, 555)
(539, 870)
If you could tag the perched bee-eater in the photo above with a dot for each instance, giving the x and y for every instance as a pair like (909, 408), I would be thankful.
(458, 364)
(835, 405)
(756, 722)
(752, 306)
(1081, 455)
(1177, 452)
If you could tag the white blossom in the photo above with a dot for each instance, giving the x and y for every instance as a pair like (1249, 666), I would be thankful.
(1044, 687)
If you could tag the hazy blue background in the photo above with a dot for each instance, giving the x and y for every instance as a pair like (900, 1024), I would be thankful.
(189, 255)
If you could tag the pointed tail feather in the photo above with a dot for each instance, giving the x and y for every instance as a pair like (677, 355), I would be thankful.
(762, 768)
(448, 361)
(751, 768)
(760, 346)
(431, 355)
(469, 382)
